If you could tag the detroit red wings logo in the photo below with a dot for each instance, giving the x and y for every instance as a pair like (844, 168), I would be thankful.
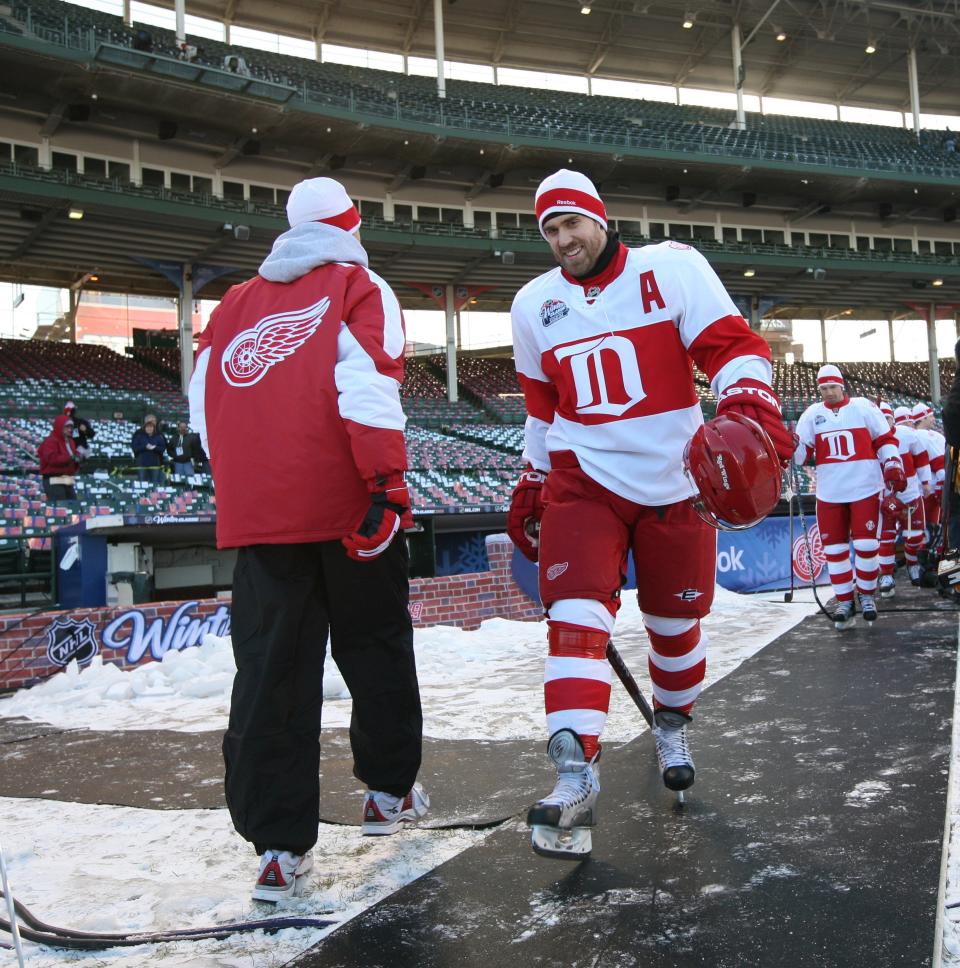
(251, 353)
(803, 568)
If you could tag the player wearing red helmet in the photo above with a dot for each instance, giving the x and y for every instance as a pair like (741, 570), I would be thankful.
(604, 346)
(846, 437)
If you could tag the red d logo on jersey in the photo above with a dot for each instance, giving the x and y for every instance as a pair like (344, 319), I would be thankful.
(253, 351)
(802, 566)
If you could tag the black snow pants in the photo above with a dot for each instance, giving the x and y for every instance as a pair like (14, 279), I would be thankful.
(286, 599)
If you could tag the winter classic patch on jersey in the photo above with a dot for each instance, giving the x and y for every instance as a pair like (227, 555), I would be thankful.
(253, 351)
(677, 245)
(552, 310)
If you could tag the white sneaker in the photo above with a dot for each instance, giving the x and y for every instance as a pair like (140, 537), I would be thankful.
(384, 813)
(888, 586)
(281, 875)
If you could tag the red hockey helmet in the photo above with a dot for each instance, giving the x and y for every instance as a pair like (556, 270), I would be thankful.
(733, 464)
(893, 507)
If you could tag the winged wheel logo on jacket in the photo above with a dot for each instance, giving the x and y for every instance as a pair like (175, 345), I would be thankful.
(253, 351)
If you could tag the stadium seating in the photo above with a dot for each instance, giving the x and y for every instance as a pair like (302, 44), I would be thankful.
(462, 456)
(543, 114)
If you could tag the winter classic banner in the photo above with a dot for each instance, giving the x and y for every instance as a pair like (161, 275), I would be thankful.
(757, 560)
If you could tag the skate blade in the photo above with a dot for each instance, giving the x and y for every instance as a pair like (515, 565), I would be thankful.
(846, 624)
(574, 844)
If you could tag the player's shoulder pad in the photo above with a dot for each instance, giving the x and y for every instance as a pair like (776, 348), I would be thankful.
(536, 287)
(670, 252)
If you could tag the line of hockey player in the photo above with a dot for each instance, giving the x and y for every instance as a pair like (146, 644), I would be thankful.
(879, 477)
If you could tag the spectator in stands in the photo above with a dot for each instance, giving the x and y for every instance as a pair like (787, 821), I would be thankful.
(59, 461)
(83, 431)
(188, 52)
(149, 446)
(143, 40)
(236, 65)
(317, 532)
(950, 143)
(182, 449)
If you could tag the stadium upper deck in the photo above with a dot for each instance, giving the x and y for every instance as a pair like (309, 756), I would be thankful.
(171, 156)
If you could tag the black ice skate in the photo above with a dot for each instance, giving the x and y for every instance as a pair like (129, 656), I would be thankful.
(561, 822)
(868, 608)
(844, 616)
(888, 586)
(673, 754)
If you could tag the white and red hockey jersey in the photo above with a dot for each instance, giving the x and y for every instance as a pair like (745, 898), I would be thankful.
(916, 461)
(606, 366)
(936, 445)
(848, 443)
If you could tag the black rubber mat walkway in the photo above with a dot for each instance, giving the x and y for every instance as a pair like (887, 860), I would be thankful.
(812, 837)
(168, 770)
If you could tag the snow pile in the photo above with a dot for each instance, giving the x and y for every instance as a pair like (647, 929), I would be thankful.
(484, 684)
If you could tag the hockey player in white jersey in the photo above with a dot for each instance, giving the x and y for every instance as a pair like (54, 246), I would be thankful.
(603, 346)
(924, 423)
(846, 437)
(904, 513)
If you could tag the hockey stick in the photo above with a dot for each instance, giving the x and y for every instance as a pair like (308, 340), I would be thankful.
(788, 596)
(629, 683)
(56, 937)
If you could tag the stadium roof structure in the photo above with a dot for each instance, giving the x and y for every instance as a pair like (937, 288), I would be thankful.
(822, 56)
(41, 244)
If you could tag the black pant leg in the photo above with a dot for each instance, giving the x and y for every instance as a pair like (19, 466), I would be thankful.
(371, 638)
(271, 749)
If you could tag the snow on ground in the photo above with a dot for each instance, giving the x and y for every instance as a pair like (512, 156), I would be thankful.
(123, 869)
(485, 684)
(160, 869)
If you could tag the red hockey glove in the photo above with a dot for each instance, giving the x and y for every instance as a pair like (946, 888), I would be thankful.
(893, 475)
(758, 402)
(526, 509)
(389, 512)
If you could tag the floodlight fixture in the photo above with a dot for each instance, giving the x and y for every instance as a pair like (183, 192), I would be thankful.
(936, 282)
(871, 47)
(780, 33)
(585, 9)
(689, 19)
(749, 273)
(75, 213)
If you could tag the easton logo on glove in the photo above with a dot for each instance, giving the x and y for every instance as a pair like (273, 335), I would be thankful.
(756, 400)
(751, 390)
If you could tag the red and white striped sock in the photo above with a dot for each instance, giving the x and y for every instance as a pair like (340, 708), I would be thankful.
(576, 682)
(677, 660)
(841, 573)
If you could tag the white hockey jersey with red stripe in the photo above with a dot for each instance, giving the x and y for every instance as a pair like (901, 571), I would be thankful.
(916, 461)
(936, 445)
(848, 444)
(606, 367)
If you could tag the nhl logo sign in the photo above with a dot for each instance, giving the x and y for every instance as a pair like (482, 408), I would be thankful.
(803, 568)
(68, 639)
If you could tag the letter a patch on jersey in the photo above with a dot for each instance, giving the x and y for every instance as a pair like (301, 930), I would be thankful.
(253, 351)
